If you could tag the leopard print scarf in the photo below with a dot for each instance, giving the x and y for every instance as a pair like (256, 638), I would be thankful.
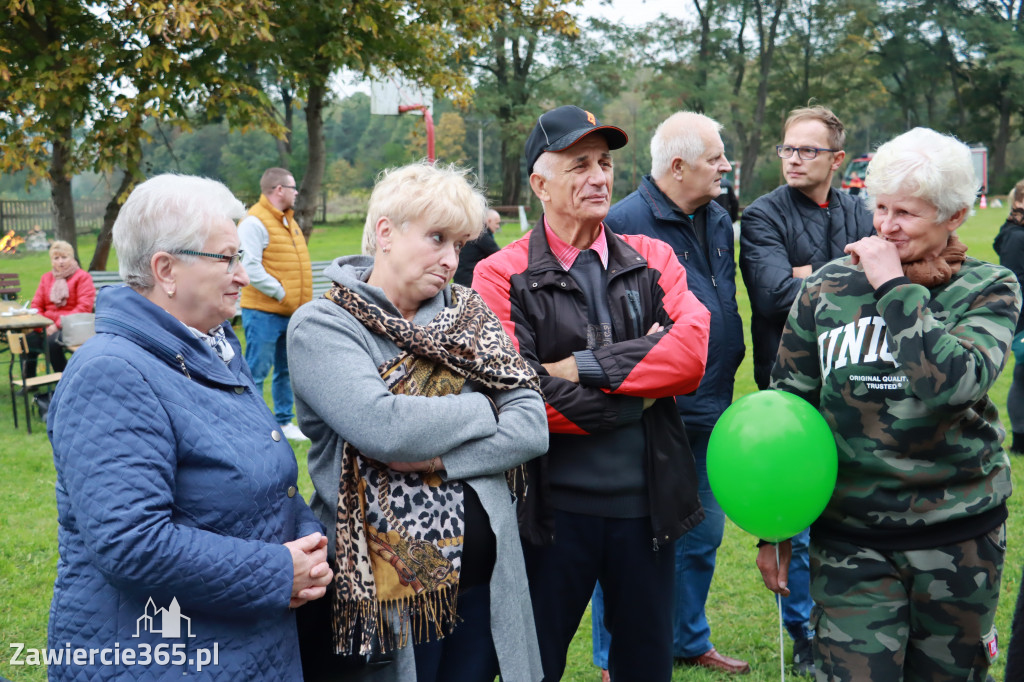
(399, 535)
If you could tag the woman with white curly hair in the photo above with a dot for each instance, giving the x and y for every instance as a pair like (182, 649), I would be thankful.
(898, 345)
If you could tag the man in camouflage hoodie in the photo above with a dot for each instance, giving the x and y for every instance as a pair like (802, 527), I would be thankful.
(898, 345)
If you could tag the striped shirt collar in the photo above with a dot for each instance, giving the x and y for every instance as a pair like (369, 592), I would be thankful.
(566, 253)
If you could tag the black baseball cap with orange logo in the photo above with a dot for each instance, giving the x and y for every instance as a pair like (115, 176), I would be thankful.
(563, 127)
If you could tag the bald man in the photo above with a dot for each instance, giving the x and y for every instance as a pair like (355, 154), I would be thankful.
(676, 204)
(478, 249)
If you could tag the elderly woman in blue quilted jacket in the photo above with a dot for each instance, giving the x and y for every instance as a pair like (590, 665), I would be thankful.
(184, 547)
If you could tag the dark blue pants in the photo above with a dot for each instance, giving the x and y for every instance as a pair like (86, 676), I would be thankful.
(55, 352)
(638, 585)
(467, 654)
(1015, 401)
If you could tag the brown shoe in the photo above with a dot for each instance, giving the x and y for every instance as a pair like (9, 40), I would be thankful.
(716, 661)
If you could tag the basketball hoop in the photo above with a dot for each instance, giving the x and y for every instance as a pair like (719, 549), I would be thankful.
(394, 95)
(388, 94)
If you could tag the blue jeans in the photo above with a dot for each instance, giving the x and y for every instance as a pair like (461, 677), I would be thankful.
(266, 347)
(695, 561)
(601, 639)
(796, 608)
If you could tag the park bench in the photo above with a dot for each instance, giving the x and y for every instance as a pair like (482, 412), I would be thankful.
(10, 286)
(321, 283)
(101, 278)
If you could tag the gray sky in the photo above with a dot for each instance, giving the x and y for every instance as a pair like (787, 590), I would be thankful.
(635, 12)
(631, 12)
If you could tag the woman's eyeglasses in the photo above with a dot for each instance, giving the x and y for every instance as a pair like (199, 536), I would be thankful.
(232, 260)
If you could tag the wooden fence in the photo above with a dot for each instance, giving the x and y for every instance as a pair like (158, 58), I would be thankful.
(22, 216)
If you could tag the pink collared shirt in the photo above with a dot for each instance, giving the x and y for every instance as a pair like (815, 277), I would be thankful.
(566, 253)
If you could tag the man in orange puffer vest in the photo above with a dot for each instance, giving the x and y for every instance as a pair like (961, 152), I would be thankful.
(280, 280)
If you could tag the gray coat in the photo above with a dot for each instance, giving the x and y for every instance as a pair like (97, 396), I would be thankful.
(339, 396)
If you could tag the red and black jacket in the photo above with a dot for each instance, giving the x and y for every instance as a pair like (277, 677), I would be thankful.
(544, 312)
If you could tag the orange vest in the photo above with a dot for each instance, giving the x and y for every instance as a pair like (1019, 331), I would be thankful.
(286, 259)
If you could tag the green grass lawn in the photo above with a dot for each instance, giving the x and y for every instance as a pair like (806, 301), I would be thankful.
(742, 613)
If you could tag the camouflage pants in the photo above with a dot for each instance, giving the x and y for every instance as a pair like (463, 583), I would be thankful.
(921, 615)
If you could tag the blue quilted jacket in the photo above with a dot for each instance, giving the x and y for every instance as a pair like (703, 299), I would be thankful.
(175, 492)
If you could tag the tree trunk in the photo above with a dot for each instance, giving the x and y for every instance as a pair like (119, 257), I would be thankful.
(703, 55)
(952, 66)
(103, 241)
(60, 192)
(767, 53)
(997, 155)
(511, 182)
(305, 203)
(739, 74)
(284, 147)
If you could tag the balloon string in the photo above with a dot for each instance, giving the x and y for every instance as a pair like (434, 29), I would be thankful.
(782, 642)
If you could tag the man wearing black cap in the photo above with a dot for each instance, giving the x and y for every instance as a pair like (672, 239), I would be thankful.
(614, 334)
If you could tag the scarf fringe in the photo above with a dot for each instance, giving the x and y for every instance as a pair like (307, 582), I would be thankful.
(463, 341)
(516, 480)
(426, 616)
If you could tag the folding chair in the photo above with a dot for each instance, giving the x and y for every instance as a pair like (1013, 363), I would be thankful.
(19, 347)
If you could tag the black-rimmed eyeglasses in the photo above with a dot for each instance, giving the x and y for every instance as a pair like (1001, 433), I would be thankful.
(806, 153)
(231, 260)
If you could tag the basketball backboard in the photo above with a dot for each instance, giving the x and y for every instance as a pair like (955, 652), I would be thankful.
(389, 93)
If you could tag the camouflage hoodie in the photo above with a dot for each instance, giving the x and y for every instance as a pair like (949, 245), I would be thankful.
(902, 377)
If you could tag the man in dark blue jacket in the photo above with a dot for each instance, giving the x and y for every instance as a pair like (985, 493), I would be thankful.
(675, 204)
(784, 236)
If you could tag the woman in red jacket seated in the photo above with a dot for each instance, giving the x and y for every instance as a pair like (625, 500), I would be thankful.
(66, 289)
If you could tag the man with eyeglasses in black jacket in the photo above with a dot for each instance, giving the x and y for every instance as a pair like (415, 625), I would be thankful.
(784, 236)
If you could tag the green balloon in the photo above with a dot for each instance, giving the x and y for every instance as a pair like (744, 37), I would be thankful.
(772, 464)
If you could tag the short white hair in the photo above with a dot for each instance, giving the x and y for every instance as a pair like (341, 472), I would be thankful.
(679, 136)
(442, 195)
(168, 213)
(544, 166)
(928, 165)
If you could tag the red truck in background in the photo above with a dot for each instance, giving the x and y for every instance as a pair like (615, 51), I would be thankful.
(856, 170)
(853, 176)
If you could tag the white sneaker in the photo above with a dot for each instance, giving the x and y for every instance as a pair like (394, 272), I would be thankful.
(293, 432)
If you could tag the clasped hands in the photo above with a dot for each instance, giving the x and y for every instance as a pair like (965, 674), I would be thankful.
(312, 573)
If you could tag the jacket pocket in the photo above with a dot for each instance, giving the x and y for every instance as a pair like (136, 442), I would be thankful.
(634, 312)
